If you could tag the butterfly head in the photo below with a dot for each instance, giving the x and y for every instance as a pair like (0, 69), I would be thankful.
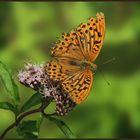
(89, 65)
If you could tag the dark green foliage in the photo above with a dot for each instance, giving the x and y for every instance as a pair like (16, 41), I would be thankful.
(28, 129)
(7, 106)
(9, 83)
(35, 99)
(63, 127)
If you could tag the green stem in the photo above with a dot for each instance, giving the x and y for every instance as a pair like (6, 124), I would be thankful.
(18, 120)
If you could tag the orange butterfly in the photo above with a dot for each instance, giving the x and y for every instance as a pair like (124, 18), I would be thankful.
(74, 57)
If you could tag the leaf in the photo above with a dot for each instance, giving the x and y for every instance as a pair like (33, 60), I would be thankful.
(7, 106)
(35, 99)
(39, 121)
(9, 83)
(64, 128)
(28, 129)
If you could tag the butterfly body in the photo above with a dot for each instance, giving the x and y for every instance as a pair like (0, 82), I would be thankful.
(74, 57)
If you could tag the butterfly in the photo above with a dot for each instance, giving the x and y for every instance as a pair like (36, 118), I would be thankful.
(74, 55)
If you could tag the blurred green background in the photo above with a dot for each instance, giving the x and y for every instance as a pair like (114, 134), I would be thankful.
(27, 31)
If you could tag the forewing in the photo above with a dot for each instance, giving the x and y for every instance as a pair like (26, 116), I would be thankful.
(84, 42)
(68, 47)
(91, 36)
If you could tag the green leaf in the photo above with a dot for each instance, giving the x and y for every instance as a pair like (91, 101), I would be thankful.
(35, 99)
(39, 121)
(7, 106)
(64, 128)
(9, 83)
(28, 129)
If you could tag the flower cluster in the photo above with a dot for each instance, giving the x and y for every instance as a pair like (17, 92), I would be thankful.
(35, 77)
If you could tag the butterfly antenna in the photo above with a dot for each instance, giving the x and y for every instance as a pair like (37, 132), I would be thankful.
(110, 60)
(108, 83)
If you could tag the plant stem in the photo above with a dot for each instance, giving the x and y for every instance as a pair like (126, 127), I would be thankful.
(40, 109)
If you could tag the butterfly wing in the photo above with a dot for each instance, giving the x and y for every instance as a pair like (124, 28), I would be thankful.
(60, 69)
(78, 85)
(91, 35)
(68, 47)
(75, 81)
(85, 42)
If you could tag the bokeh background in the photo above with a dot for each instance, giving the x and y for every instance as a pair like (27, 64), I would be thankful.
(27, 31)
